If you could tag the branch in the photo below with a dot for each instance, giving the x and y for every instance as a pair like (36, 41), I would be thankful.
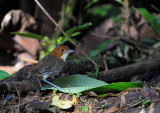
(130, 41)
(121, 73)
(21, 86)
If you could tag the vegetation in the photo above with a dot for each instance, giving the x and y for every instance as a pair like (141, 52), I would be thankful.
(116, 48)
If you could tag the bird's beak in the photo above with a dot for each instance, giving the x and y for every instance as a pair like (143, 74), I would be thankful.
(70, 51)
(64, 56)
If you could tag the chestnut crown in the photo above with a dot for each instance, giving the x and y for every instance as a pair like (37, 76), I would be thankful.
(61, 52)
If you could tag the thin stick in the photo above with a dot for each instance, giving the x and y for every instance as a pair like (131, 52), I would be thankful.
(154, 7)
(63, 31)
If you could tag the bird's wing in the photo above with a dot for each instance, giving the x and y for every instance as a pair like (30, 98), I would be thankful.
(54, 69)
(47, 65)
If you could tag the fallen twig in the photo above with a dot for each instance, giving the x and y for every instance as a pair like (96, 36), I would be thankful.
(35, 105)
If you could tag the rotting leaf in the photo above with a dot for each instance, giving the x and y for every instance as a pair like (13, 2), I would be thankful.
(62, 104)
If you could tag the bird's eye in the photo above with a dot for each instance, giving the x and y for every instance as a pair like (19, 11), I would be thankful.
(62, 50)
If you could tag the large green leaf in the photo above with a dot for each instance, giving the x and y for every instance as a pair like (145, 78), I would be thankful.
(151, 19)
(3, 75)
(77, 83)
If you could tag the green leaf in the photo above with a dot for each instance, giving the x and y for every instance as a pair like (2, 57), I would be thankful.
(149, 41)
(30, 35)
(106, 10)
(61, 40)
(101, 47)
(75, 34)
(3, 75)
(90, 3)
(75, 29)
(76, 83)
(120, 1)
(97, 70)
(112, 60)
(94, 53)
(100, 10)
(117, 87)
(117, 19)
(72, 32)
(84, 108)
(152, 20)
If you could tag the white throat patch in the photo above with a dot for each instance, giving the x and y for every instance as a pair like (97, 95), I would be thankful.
(64, 56)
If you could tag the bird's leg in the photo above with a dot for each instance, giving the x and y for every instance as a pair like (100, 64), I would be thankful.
(52, 84)
(40, 83)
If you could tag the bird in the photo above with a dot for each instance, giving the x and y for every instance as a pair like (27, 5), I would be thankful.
(51, 64)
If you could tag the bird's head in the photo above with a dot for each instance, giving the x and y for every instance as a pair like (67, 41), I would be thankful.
(61, 52)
